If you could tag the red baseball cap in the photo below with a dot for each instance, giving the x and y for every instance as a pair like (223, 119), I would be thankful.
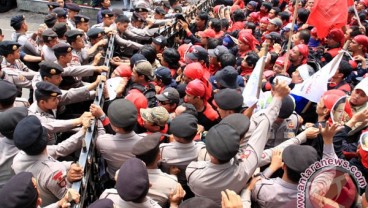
(124, 70)
(196, 88)
(194, 70)
(337, 35)
(208, 33)
(361, 40)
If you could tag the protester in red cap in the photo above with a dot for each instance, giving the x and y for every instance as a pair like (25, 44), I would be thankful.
(247, 42)
(238, 21)
(217, 9)
(239, 3)
(140, 102)
(361, 5)
(325, 104)
(253, 17)
(298, 56)
(358, 46)
(192, 71)
(204, 35)
(263, 23)
(123, 70)
(334, 42)
(197, 94)
(182, 51)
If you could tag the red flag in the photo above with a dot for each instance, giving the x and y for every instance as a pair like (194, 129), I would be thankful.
(326, 15)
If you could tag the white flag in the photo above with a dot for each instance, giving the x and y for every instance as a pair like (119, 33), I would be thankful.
(314, 87)
(250, 90)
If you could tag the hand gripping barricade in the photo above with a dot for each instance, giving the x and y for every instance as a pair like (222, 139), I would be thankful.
(89, 187)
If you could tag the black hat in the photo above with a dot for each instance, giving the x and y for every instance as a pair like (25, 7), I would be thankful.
(9, 120)
(80, 18)
(198, 53)
(227, 77)
(7, 90)
(178, 9)
(50, 20)
(137, 17)
(122, 113)
(199, 201)
(160, 10)
(30, 136)
(287, 107)
(107, 13)
(60, 29)
(141, 6)
(47, 88)
(72, 35)
(19, 191)
(229, 99)
(95, 32)
(184, 125)
(135, 58)
(169, 94)
(8, 47)
(17, 20)
(132, 190)
(49, 68)
(299, 157)
(238, 121)
(48, 35)
(102, 203)
(160, 40)
(53, 5)
(222, 141)
(147, 147)
(62, 48)
(60, 12)
(72, 6)
(275, 36)
(163, 73)
(218, 51)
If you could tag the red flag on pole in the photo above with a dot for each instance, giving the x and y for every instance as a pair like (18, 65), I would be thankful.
(326, 15)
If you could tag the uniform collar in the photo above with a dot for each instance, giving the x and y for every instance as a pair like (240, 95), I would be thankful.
(221, 166)
(286, 184)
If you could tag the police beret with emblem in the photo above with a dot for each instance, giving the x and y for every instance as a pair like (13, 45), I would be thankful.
(95, 32)
(9, 120)
(73, 7)
(122, 113)
(60, 28)
(49, 68)
(62, 48)
(53, 5)
(30, 136)
(107, 13)
(147, 147)
(102, 203)
(19, 191)
(141, 6)
(47, 88)
(80, 18)
(8, 47)
(299, 157)
(60, 12)
(72, 35)
(17, 20)
(48, 35)
(184, 125)
(137, 17)
(50, 20)
(7, 90)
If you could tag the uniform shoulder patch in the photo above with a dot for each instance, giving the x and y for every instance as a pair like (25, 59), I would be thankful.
(59, 177)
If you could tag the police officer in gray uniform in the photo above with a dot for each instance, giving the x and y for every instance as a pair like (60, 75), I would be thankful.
(79, 52)
(50, 39)
(116, 149)
(209, 178)
(162, 184)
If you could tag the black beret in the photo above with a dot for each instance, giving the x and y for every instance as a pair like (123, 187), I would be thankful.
(49, 68)
(30, 136)
(19, 191)
(107, 13)
(73, 7)
(199, 202)
(137, 17)
(184, 125)
(48, 89)
(17, 20)
(53, 5)
(160, 40)
(60, 28)
(50, 19)
(238, 121)
(95, 32)
(60, 12)
(222, 141)
(8, 47)
(287, 107)
(62, 48)
(48, 35)
(147, 146)
(160, 10)
(72, 35)
(299, 157)
(80, 18)
(102, 203)
(228, 99)
(7, 90)
(9, 120)
(132, 183)
(122, 113)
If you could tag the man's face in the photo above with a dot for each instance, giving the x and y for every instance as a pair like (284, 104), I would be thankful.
(52, 42)
(16, 54)
(358, 97)
(166, 104)
(108, 21)
(78, 44)
(61, 3)
(277, 69)
(61, 19)
(271, 27)
(106, 3)
(25, 26)
(294, 54)
(122, 27)
(144, 14)
(54, 79)
(263, 9)
(190, 99)
(83, 26)
(199, 22)
(354, 46)
(71, 14)
(263, 26)
(272, 14)
(68, 57)
(1, 37)
(310, 4)
(51, 103)
(296, 39)
(243, 47)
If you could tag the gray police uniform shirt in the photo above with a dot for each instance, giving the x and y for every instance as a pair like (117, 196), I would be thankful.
(16, 78)
(7, 152)
(116, 149)
(281, 132)
(120, 203)
(29, 46)
(208, 180)
(79, 57)
(48, 53)
(162, 185)
(276, 192)
(20, 67)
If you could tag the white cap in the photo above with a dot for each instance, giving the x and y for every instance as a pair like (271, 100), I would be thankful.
(304, 71)
(363, 85)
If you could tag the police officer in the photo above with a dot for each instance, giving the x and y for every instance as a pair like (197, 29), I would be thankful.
(162, 184)
(61, 14)
(73, 10)
(60, 29)
(50, 39)
(81, 22)
(79, 53)
(108, 20)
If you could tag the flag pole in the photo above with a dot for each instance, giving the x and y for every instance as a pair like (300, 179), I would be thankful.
(265, 51)
(357, 16)
(290, 35)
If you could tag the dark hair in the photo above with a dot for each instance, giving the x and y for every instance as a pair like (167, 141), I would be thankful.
(224, 23)
(190, 109)
(238, 15)
(216, 24)
(58, 54)
(171, 57)
(354, 31)
(275, 3)
(130, 128)
(251, 58)
(277, 10)
(122, 19)
(18, 26)
(1, 32)
(267, 5)
(250, 25)
(145, 76)
(212, 43)
(7, 103)
(345, 68)
(149, 52)
(150, 157)
(304, 35)
(203, 16)
(227, 59)
(303, 15)
(284, 16)
(274, 57)
(292, 175)
(39, 96)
